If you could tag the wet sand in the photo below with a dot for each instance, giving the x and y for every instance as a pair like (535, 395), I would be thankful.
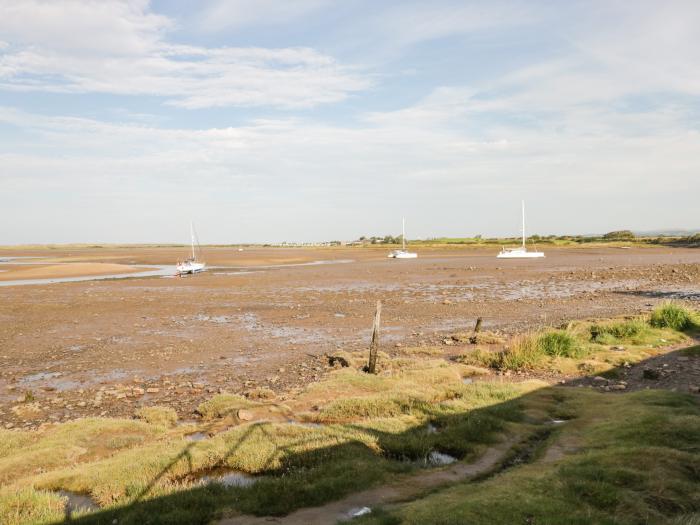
(13, 272)
(266, 317)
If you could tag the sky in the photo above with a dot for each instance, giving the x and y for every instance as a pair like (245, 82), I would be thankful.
(307, 120)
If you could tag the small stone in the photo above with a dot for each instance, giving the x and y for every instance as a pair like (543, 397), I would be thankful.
(448, 341)
(650, 373)
(152, 390)
(599, 379)
(694, 389)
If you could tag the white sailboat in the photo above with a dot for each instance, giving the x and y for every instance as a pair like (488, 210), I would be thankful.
(402, 253)
(521, 251)
(191, 264)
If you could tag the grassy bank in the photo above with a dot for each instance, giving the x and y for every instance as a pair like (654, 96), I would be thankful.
(592, 347)
(630, 458)
(373, 426)
(625, 459)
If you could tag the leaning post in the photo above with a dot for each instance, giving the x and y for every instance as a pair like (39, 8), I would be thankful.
(374, 344)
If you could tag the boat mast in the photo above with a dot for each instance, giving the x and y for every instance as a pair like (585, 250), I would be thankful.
(192, 238)
(403, 233)
(523, 204)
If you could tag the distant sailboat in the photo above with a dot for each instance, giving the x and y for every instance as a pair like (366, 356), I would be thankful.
(191, 264)
(402, 253)
(520, 252)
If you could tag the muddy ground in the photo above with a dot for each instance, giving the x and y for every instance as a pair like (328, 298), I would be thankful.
(266, 317)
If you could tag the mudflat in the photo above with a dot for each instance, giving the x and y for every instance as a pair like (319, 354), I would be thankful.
(266, 317)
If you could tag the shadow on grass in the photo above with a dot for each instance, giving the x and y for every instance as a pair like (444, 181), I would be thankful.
(311, 478)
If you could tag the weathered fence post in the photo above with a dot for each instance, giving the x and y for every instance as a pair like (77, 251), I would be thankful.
(374, 345)
(477, 327)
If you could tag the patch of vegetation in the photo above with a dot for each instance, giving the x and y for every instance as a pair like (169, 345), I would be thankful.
(673, 315)
(611, 333)
(693, 351)
(636, 460)
(222, 405)
(559, 343)
(143, 470)
(157, 415)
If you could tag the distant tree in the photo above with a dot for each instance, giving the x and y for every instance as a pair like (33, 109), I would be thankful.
(478, 237)
(619, 235)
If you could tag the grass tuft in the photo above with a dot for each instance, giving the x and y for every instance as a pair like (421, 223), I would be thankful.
(222, 405)
(157, 415)
(559, 343)
(673, 315)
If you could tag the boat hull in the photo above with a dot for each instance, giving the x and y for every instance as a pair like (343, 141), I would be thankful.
(519, 254)
(190, 268)
(400, 254)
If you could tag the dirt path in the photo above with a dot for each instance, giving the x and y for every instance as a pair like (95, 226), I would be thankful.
(404, 488)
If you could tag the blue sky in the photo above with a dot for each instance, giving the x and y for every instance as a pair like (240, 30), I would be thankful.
(271, 120)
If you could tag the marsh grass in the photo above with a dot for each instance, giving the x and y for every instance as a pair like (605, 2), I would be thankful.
(369, 423)
(158, 415)
(635, 461)
(674, 316)
(223, 405)
(587, 347)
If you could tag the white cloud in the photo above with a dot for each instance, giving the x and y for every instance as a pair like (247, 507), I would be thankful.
(119, 47)
(227, 14)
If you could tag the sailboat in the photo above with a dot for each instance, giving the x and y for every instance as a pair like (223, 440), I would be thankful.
(520, 252)
(191, 264)
(402, 253)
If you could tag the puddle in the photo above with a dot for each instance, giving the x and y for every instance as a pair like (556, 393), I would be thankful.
(356, 512)
(438, 459)
(78, 502)
(197, 436)
(228, 478)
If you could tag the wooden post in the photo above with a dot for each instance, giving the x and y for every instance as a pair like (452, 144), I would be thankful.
(374, 344)
(477, 327)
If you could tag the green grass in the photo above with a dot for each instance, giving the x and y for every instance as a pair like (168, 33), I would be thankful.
(632, 458)
(157, 415)
(222, 405)
(138, 469)
(673, 315)
(610, 333)
(559, 343)
(589, 347)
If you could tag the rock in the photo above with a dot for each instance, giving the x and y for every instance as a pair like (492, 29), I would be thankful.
(650, 373)
(599, 379)
(694, 389)
(618, 387)
(152, 390)
(244, 415)
(448, 341)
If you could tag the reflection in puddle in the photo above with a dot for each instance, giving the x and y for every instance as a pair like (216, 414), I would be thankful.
(78, 502)
(438, 459)
(228, 478)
